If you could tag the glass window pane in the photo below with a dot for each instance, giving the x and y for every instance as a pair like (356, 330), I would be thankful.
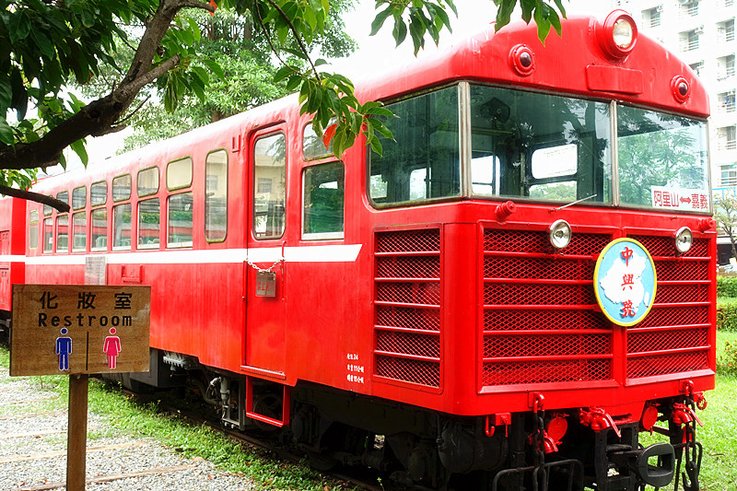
(98, 193)
(122, 188)
(79, 197)
(148, 181)
(179, 174)
(48, 234)
(270, 191)
(79, 231)
(98, 230)
(216, 196)
(662, 160)
(122, 226)
(313, 146)
(63, 197)
(62, 234)
(541, 146)
(180, 220)
(423, 160)
(33, 230)
(149, 221)
(48, 210)
(323, 200)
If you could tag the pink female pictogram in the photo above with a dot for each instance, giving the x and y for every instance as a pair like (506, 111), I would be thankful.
(111, 348)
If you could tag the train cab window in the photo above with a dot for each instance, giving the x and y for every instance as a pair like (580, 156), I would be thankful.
(122, 188)
(33, 230)
(423, 162)
(540, 146)
(148, 181)
(323, 197)
(179, 213)
(48, 235)
(79, 231)
(216, 196)
(149, 223)
(79, 198)
(122, 226)
(62, 233)
(313, 146)
(179, 174)
(98, 229)
(270, 192)
(98, 193)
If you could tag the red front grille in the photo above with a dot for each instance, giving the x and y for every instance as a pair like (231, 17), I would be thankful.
(407, 306)
(527, 286)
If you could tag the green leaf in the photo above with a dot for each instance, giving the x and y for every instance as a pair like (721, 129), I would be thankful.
(81, 151)
(6, 132)
(379, 20)
(6, 95)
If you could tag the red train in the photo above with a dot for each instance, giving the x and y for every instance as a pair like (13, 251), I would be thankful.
(517, 288)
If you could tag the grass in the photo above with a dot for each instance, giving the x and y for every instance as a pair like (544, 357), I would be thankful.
(127, 417)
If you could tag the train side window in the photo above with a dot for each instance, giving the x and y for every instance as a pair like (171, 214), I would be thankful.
(48, 210)
(323, 198)
(122, 226)
(98, 229)
(63, 196)
(62, 233)
(270, 174)
(33, 230)
(216, 196)
(79, 231)
(48, 234)
(98, 193)
(148, 181)
(313, 147)
(179, 174)
(79, 197)
(179, 213)
(149, 221)
(122, 187)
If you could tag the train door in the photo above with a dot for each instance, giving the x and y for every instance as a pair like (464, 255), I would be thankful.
(265, 269)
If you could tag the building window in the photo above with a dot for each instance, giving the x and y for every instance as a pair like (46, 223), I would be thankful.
(216, 196)
(727, 138)
(726, 31)
(651, 17)
(690, 8)
(729, 175)
(322, 209)
(726, 101)
(697, 67)
(725, 67)
(269, 206)
(690, 40)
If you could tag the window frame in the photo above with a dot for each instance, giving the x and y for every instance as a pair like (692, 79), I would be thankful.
(258, 136)
(33, 222)
(139, 244)
(93, 247)
(138, 182)
(84, 204)
(130, 187)
(113, 222)
(205, 223)
(169, 243)
(191, 173)
(104, 201)
(86, 234)
(340, 235)
(57, 234)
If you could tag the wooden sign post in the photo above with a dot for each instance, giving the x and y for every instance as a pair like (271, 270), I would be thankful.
(79, 330)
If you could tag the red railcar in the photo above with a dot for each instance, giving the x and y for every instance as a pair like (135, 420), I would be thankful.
(517, 287)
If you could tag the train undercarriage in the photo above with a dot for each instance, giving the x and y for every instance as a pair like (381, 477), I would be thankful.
(572, 449)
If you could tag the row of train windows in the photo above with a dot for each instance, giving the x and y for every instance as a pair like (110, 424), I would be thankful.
(179, 210)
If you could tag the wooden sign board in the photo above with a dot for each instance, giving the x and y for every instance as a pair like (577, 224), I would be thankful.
(79, 329)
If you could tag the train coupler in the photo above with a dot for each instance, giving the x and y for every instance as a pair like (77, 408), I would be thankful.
(566, 473)
(638, 462)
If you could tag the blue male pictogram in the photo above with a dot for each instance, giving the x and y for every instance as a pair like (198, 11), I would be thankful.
(64, 349)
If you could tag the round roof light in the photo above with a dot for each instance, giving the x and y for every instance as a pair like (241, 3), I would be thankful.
(680, 88)
(684, 240)
(618, 34)
(522, 60)
(560, 234)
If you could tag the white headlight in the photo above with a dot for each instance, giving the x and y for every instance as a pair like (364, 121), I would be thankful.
(560, 234)
(684, 239)
(623, 34)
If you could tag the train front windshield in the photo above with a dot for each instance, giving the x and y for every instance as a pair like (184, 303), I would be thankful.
(483, 141)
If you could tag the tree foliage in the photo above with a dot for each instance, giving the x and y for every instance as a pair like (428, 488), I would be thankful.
(47, 45)
(725, 213)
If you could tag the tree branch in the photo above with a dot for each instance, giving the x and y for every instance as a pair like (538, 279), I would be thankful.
(60, 206)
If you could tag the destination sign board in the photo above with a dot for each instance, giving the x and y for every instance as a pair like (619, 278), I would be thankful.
(79, 329)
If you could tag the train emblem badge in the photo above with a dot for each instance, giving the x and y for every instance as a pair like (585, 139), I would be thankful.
(625, 282)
